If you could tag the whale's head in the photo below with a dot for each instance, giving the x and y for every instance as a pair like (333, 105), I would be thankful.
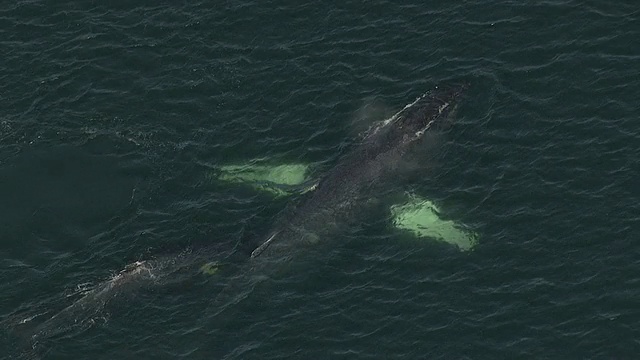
(433, 110)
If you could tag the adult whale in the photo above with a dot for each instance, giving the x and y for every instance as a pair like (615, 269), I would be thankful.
(347, 190)
(342, 195)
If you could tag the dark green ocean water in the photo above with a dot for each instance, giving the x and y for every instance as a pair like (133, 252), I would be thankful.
(114, 113)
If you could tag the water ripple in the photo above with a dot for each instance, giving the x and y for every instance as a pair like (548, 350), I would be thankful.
(541, 163)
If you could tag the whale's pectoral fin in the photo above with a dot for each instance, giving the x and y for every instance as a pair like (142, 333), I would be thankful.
(278, 180)
(423, 218)
(210, 268)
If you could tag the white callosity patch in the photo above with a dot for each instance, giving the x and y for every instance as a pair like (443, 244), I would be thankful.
(440, 110)
(384, 123)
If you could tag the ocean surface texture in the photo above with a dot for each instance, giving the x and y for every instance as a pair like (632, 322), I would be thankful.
(115, 115)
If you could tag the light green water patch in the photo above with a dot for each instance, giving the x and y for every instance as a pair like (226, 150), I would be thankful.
(422, 218)
(279, 180)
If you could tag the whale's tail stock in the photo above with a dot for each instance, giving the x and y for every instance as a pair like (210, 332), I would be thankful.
(29, 328)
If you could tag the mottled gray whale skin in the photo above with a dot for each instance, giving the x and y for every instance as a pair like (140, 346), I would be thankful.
(89, 308)
(360, 174)
(342, 194)
(83, 312)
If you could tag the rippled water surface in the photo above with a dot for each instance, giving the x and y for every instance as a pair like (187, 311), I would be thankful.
(115, 113)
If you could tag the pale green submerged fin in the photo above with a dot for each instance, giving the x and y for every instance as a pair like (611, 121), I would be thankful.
(210, 268)
(422, 218)
(278, 180)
